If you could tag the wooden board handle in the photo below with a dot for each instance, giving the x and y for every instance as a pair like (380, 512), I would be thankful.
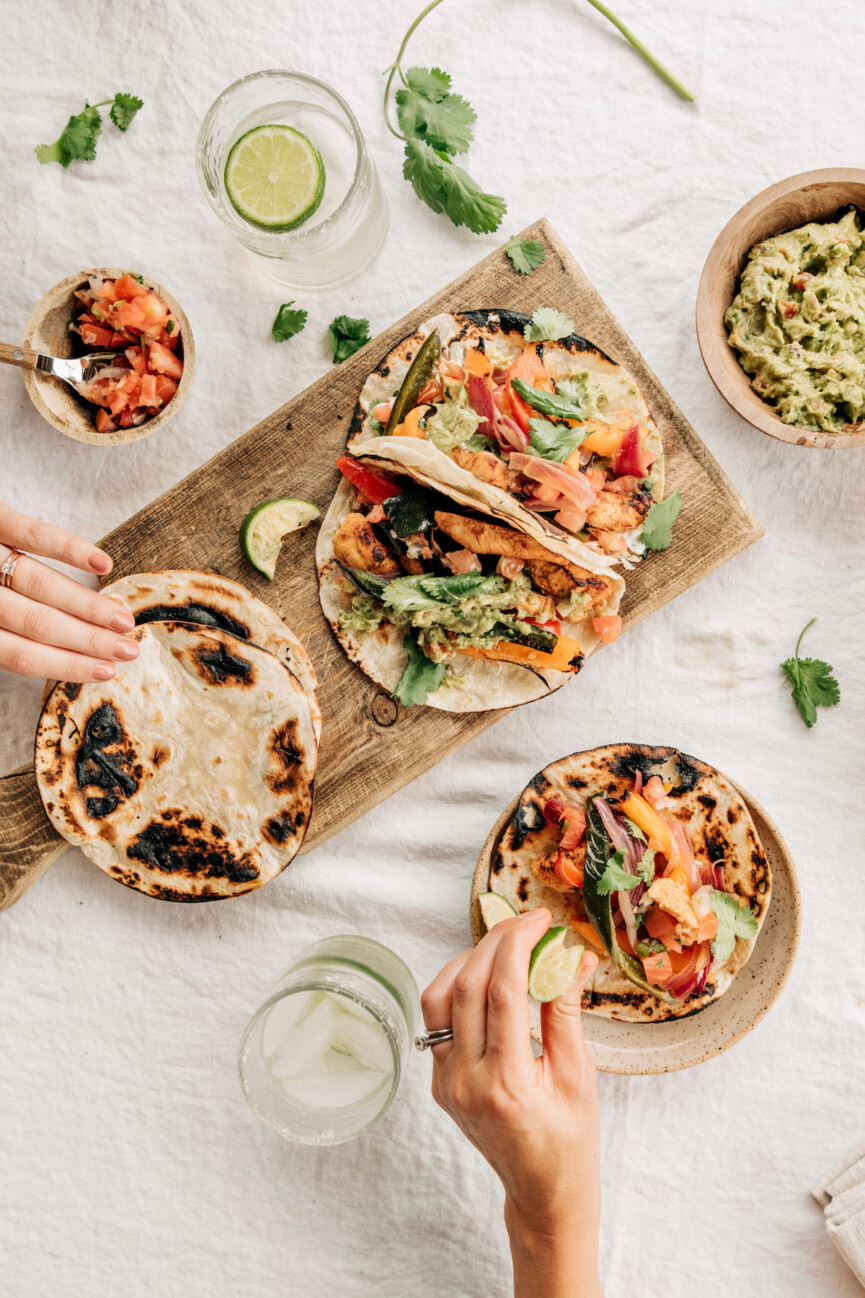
(13, 354)
(28, 840)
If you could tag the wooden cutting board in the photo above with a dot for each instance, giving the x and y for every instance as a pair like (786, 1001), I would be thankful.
(370, 745)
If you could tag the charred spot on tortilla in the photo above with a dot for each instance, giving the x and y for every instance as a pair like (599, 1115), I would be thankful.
(707, 801)
(197, 612)
(279, 828)
(523, 889)
(179, 848)
(285, 769)
(498, 863)
(159, 755)
(222, 667)
(71, 690)
(106, 760)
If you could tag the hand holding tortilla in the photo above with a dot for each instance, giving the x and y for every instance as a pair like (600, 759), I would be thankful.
(534, 1120)
(49, 625)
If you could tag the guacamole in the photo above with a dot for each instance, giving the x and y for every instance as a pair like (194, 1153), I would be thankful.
(798, 323)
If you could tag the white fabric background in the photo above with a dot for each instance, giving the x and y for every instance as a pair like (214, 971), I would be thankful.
(129, 1163)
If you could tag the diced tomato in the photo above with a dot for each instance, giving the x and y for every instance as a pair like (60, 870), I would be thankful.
(658, 969)
(148, 391)
(430, 392)
(129, 315)
(159, 358)
(126, 418)
(95, 336)
(587, 932)
(104, 422)
(662, 926)
(551, 625)
(381, 412)
(165, 388)
(155, 312)
(136, 359)
(530, 368)
(631, 459)
(116, 401)
(568, 871)
(596, 477)
(107, 291)
(374, 487)
(127, 286)
(608, 628)
(656, 795)
(170, 337)
(575, 828)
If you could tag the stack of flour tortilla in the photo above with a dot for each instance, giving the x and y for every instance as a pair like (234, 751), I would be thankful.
(189, 776)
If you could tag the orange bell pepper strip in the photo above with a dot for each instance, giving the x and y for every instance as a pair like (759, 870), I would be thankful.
(586, 931)
(567, 655)
(652, 824)
(410, 426)
(605, 440)
(530, 368)
(477, 363)
(567, 871)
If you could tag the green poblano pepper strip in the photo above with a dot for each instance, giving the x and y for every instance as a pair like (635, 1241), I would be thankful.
(419, 373)
(600, 909)
(410, 511)
(548, 403)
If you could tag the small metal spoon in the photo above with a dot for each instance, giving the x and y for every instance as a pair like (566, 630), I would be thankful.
(72, 372)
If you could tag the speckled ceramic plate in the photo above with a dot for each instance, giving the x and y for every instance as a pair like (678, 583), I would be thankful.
(680, 1043)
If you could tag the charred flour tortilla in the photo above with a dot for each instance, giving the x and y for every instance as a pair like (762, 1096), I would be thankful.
(189, 776)
(499, 333)
(721, 829)
(209, 600)
(472, 684)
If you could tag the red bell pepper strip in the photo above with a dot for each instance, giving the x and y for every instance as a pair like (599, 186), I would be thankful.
(374, 487)
(631, 458)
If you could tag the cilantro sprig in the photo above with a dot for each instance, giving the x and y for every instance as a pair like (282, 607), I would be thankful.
(77, 140)
(289, 321)
(657, 533)
(734, 921)
(420, 677)
(547, 325)
(346, 336)
(525, 254)
(813, 682)
(614, 878)
(436, 125)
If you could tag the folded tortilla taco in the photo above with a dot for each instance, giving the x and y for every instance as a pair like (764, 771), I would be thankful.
(652, 858)
(442, 604)
(551, 433)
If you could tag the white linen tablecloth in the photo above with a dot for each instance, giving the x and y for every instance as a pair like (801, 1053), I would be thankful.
(129, 1163)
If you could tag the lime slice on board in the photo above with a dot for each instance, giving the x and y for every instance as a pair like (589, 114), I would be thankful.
(553, 966)
(265, 527)
(274, 177)
(494, 908)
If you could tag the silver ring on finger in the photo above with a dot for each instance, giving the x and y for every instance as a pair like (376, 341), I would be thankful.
(7, 568)
(434, 1038)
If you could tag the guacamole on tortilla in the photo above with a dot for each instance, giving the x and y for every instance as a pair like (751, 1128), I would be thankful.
(798, 323)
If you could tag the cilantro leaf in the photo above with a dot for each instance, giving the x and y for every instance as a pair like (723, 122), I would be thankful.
(646, 866)
(289, 321)
(347, 336)
(526, 254)
(427, 111)
(634, 830)
(445, 187)
(423, 170)
(123, 109)
(812, 681)
(614, 878)
(77, 140)
(555, 404)
(554, 441)
(547, 325)
(657, 533)
(734, 921)
(420, 677)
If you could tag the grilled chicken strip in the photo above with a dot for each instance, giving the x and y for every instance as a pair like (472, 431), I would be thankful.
(614, 511)
(484, 465)
(356, 545)
(549, 572)
(561, 580)
(544, 867)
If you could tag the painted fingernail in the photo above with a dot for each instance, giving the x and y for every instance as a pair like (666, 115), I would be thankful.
(99, 561)
(104, 672)
(122, 622)
(126, 650)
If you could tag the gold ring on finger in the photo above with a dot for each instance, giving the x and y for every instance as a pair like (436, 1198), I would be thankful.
(7, 568)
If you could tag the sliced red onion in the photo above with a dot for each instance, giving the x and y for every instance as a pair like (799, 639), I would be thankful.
(633, 853)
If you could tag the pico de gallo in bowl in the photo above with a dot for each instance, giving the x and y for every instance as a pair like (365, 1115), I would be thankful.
(126, 315)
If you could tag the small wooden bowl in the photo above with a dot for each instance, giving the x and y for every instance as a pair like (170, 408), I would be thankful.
(810, 196)
(645, 1048)
(48, 331)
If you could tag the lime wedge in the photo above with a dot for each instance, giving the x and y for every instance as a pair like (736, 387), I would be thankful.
(494, 908)
(274, 177)
(553, 966)
(265, 527)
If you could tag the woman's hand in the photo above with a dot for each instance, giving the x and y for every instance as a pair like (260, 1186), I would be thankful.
(534, 1120)
(51, 626)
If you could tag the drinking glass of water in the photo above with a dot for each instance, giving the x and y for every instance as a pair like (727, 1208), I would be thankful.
(282, 161)
(321, 1060)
